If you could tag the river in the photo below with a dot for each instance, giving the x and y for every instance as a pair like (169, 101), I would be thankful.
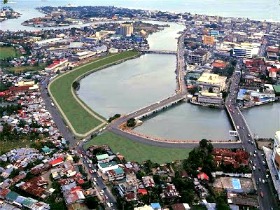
(136, 83)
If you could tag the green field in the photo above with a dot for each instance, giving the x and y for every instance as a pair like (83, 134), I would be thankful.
(80, 119)
(20, 69)
(139, 152)
(6, 146)
(6, 52)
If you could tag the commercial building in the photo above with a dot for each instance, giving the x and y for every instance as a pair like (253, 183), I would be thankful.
(276, 153)
(246, 50)
(210, 98)
(198, 56)
(208, 40)
(214, 81)
(273, 162)
(126, 29)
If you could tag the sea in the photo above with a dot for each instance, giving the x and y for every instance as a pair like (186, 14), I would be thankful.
(268, 10)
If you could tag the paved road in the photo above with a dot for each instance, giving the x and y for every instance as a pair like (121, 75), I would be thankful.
(180, 70)
(107, 195)
(62, 127)
(266, 202)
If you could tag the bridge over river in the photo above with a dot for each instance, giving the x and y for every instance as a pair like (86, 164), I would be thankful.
(169, 52)
(181, 95)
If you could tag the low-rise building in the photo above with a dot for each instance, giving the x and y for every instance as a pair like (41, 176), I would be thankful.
(198, 56)
(214, 81)
(116, 174)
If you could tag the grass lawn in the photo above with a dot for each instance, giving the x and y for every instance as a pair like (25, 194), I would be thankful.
(20, 69)
(139, 152)
(6, 146)
(6, 52)
(81, 120)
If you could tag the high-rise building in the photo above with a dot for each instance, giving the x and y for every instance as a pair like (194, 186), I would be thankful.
(276, 153)
(126, 29)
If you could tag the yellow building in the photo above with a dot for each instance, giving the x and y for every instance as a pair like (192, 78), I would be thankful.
(25, 83)
(207, 80)
(208, 40)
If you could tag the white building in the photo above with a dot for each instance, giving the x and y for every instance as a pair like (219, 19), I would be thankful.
(276, 153)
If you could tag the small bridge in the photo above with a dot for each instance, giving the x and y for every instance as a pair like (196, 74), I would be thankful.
(169, 52)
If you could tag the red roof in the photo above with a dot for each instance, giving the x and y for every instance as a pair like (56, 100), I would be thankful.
(80, 181)
(203, 176)
(56, 161)
(74, 189)
(142, 191)
(219, 64)
(21, 88)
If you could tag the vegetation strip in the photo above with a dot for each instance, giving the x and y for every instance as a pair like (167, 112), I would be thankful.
(134, 151)
(80, 118)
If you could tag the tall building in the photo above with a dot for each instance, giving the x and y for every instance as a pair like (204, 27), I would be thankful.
(276, 153)
(126, 29)
(246, 50)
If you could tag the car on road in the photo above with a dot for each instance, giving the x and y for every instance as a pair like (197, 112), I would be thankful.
(261, 194)
(90, 171)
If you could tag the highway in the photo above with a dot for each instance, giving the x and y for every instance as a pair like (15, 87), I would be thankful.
(62, 127)
(67, 134)
(266, 200)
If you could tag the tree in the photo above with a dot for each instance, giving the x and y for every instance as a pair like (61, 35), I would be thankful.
(76, 158)
(221, 202)
(131, 122)
(203, 143)
(76, 85)
(187, 196)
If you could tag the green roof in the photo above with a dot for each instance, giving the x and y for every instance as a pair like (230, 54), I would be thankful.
(105, 165)
(119, 171)
(46, 149)
(276, 88)
(102, 157)
(12, 196)
(28, 202)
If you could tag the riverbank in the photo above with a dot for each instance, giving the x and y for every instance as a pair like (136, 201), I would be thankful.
(79, 117)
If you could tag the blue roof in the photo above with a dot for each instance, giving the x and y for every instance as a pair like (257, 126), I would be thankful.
(119, 171)
(236, 183)
(46, 149)
(12, 196)
(155, 206)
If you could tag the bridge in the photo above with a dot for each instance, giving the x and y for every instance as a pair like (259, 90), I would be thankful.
(181, 92)
(169, 52)
(248, 143)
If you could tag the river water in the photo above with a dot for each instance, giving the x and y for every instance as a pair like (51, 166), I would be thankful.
(139, 82)
(136, 83)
